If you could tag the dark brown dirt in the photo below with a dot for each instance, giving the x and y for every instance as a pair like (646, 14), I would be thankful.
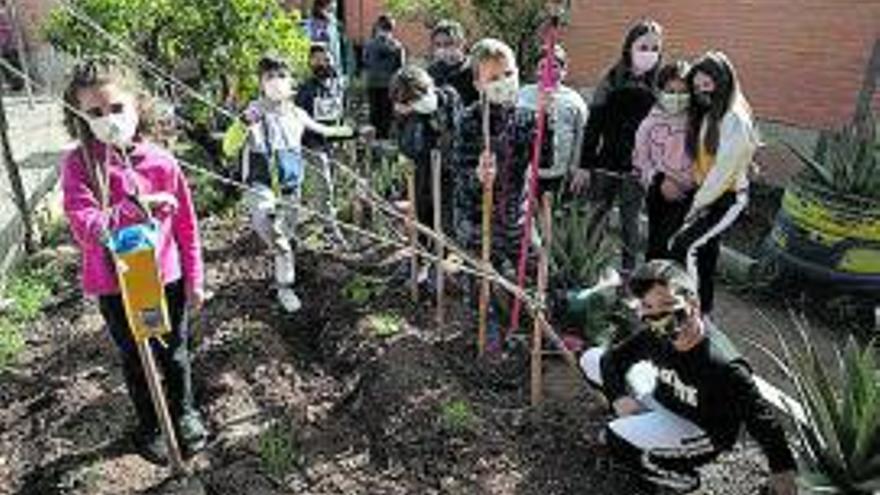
(412, 413)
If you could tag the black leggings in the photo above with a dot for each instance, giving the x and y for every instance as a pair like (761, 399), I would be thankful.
(664, 219)
(698, 243)
(381, 111)
(174, 361)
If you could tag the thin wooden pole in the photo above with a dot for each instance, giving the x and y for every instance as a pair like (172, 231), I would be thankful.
(437, 191)
(486, 245)
(155, 386)
(543, 274)
(412, 232)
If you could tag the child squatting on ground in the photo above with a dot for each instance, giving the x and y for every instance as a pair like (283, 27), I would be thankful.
(108, 182)
(272, 165)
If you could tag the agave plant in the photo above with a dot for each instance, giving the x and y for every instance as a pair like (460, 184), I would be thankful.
(576, 266)
(846, 162)
(573, 262)
(840, 428)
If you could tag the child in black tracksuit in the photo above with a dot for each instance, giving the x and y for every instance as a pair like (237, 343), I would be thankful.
(722, 138)
(621, 101)
(703, 396)
(427, 119)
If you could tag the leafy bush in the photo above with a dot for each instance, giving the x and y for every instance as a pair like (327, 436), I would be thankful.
(845, 162)
(219, 42)
(841, 436)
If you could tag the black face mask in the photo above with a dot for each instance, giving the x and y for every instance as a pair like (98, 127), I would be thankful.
(323, 72)
(704, 98)
(667, 324)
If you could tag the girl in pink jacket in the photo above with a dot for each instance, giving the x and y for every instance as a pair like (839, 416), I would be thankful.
(104, 180)
(661, 160)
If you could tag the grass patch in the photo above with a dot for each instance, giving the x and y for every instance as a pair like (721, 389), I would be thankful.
(458, 416)
(279, 450)
(29, 289)
(11, 342)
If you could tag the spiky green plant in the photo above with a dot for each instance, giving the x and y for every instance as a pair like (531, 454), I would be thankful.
(840, 434)
(573, 262)
(845, 161)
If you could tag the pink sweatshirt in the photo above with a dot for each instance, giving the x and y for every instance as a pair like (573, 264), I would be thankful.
(153, 170)
(660, 147)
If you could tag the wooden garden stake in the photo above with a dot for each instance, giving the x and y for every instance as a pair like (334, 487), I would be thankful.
(412, 231)
(486, 255)
(146, 309)
(437, 191)
(543, 274)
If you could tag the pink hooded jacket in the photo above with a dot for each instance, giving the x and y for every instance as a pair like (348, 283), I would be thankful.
(660, 147)
(153, 170)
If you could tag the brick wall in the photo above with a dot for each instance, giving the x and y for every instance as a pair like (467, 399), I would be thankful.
(801, 62)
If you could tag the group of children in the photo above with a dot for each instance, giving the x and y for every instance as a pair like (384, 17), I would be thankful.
(679, 135)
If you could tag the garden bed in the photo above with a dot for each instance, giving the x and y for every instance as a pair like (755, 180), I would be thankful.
(327, 401)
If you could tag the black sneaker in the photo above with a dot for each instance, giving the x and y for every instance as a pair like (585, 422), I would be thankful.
(192, 433)
(151, 445)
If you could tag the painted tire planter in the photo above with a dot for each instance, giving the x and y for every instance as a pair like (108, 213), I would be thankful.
(827, 238)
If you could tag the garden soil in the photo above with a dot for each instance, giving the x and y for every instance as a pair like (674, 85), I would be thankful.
(321, 402)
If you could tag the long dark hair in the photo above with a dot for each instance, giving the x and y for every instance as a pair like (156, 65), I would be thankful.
(717, 66)
(623, 69)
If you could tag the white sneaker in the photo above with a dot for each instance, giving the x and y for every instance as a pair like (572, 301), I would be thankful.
(289, 300)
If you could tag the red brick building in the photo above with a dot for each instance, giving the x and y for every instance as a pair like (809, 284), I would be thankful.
(801, 62)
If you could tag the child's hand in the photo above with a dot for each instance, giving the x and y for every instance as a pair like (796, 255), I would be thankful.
(580, 180)
(161, 202)
(486, 169)
(344, 131)
(196, 299)
(670, 190)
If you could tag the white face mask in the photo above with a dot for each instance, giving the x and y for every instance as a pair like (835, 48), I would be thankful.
(643, 61)
(427, 103)
(116, 129)
(448, 55)
(675, 103)
(503, 91)
(278, 89)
